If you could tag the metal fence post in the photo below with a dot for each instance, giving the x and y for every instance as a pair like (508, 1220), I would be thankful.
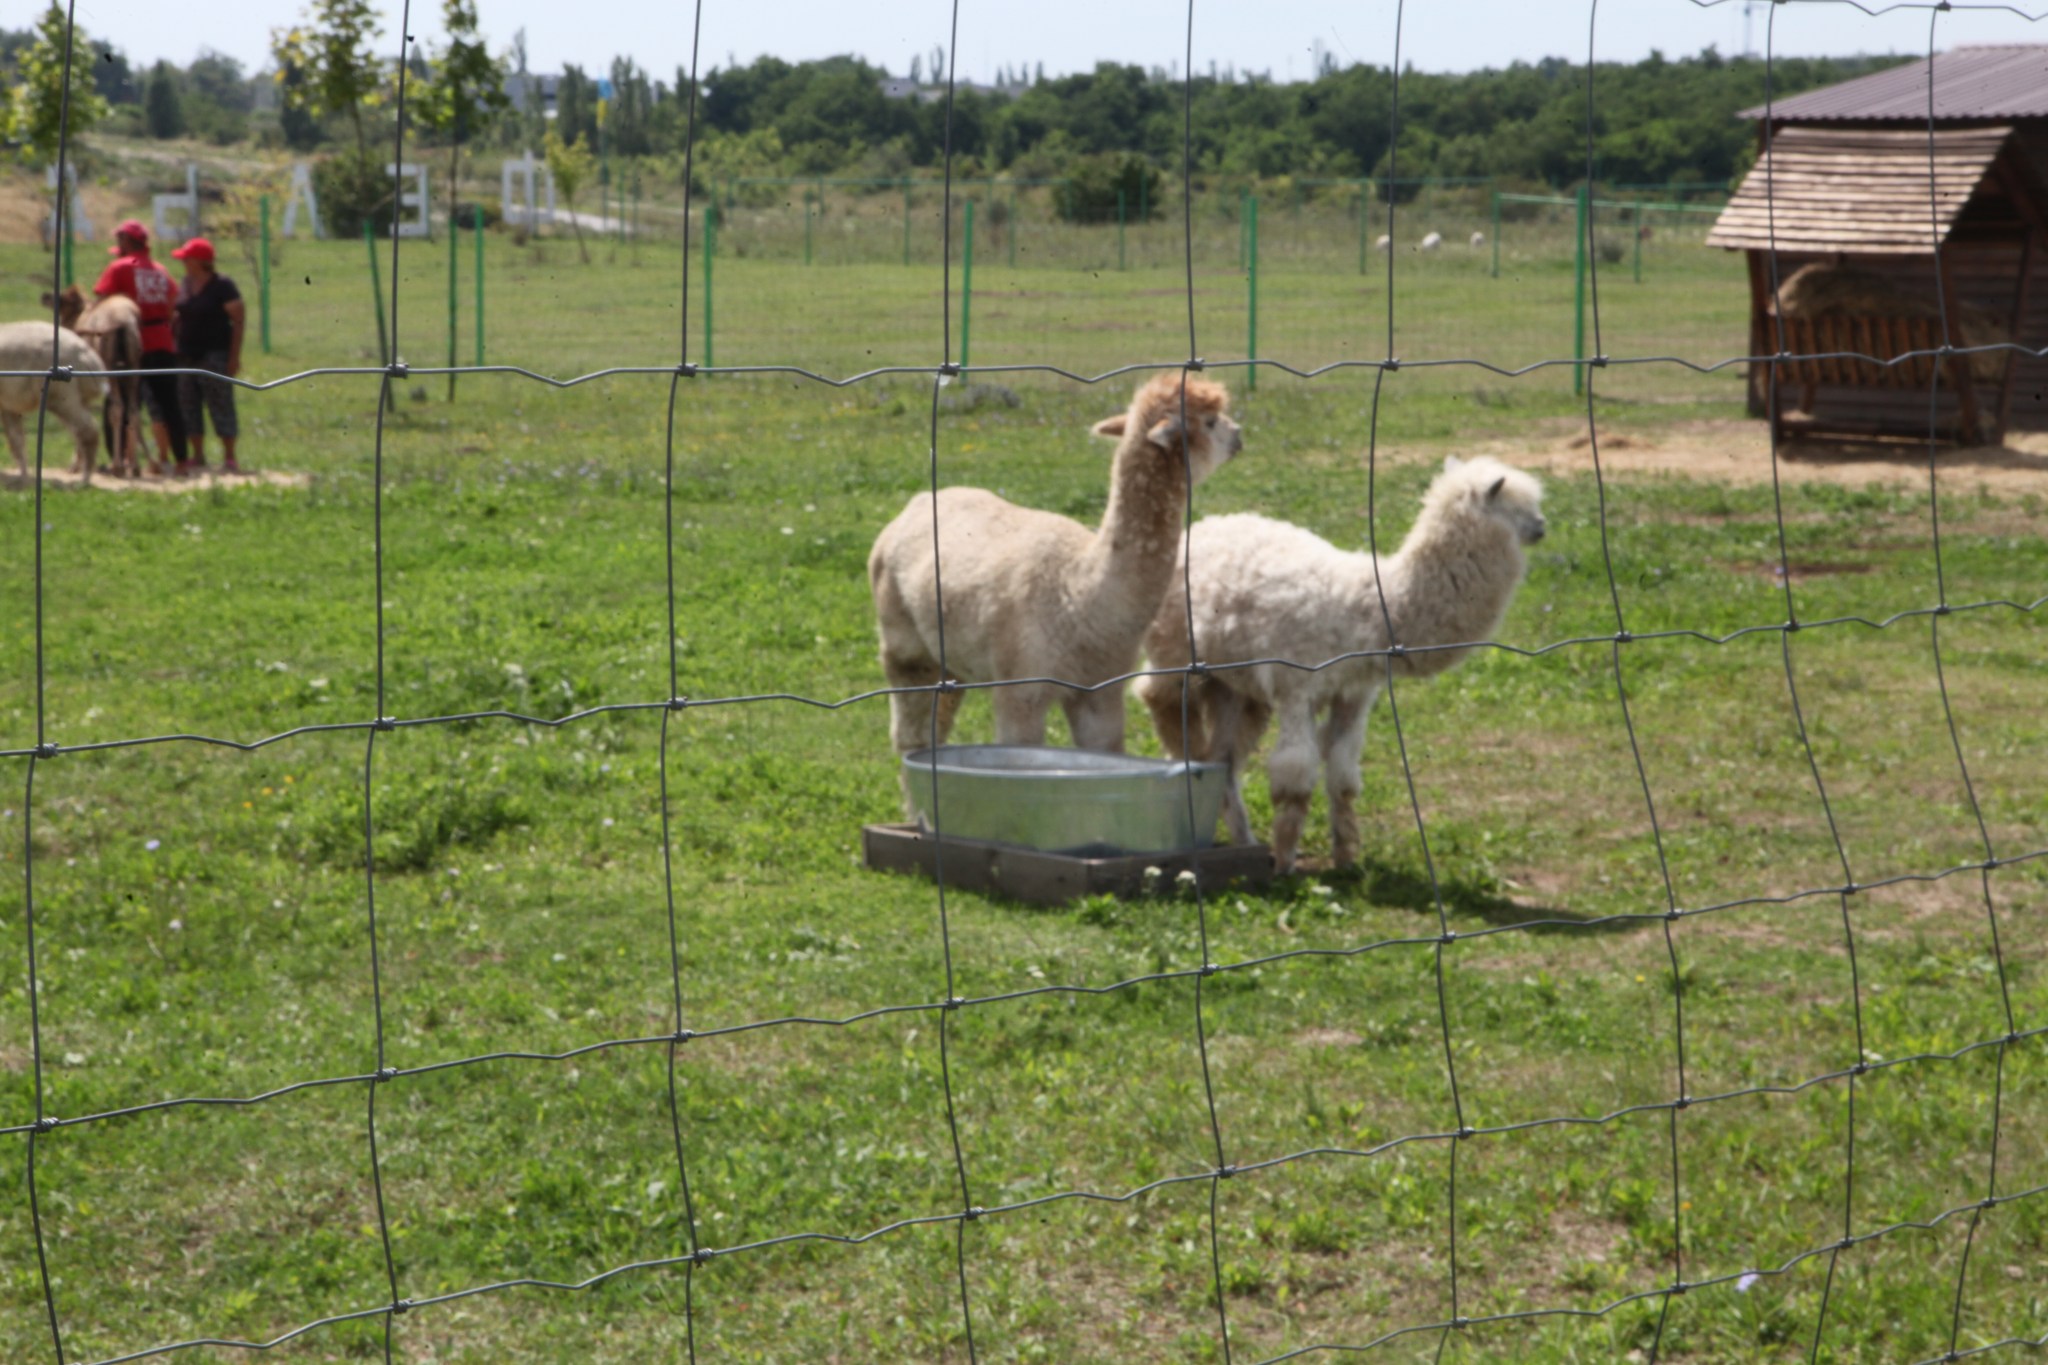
(710, 250)
(1496, 234)
(1119, 228)
(967, 284)
(1251, 344)
(1579, 291)
(477, 221)
(263, 271)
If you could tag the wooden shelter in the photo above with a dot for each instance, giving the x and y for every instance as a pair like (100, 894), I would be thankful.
(1939, 227)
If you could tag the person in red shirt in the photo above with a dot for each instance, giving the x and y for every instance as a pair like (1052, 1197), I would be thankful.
(136, 276)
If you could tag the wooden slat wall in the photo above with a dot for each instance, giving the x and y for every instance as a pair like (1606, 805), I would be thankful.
(1985, 275)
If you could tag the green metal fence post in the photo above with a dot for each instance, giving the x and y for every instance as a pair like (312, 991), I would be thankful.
(710, 249)
(70, 239)
(807, 227)
(1145, 196)
(1638, 215)
(906, 220)
(1119, 229)
(1010, 230)
(1361, 226)
(1579, 293)
(1496, 234)
(967, 284)
(477, 222)
(454, 258)
(263, 271)
(377, 294)
(1251, 344)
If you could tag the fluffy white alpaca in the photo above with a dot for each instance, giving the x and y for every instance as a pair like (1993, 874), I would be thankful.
(1431, 242)
(1264, 589)
(1478, 239)
(1383, 243)
(26, 346)
(1031, 594)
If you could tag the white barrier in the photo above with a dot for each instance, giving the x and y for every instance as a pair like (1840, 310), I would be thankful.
(187, 203)
(301, 191)
(526, 169)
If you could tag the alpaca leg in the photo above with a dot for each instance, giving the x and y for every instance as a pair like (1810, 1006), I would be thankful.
(1161, 695)
(86, 434)
(1236, 726)
(1020, 713)
(911, 712)
(1291, 775)
(1343, 737)
(1096, 719)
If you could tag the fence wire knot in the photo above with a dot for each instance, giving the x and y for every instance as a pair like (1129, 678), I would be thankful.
(397, 369)
(47, 1123)
(678, 703)
(682, 1035)
(399, 1306)
(1197, 364)
(61, 374)
(47, 749)
(687, 369)
(385, 1073)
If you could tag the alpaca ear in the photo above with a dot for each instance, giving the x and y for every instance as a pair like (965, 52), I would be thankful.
(1498, 484)
(1166, 435)
(1112, 427)
(1452, 462)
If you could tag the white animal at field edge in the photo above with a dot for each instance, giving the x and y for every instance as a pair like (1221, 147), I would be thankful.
(26, 346)
(1264, 589)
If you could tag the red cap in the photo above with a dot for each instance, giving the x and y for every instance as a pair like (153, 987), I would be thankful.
(197, 249)
(133, 228)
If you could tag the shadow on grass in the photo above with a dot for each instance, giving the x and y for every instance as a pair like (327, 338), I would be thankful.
(1407, 888)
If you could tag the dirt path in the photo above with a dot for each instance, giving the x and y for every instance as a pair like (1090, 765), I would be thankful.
(64, 478)
(1739, 452)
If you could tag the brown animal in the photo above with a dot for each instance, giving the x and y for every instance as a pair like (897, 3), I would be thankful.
(1823, 289)
(112, 326)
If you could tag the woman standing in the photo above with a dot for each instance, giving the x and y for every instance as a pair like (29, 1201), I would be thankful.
(210, 322)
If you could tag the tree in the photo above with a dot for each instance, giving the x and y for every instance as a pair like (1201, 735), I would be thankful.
(570, 163)
(466, 89)
(163, 107)
(36, 113)
(334, 50)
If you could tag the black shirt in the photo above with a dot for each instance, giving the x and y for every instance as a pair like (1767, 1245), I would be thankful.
(204, 326)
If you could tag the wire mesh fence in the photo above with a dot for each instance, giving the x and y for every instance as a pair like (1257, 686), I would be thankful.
(408, 1093)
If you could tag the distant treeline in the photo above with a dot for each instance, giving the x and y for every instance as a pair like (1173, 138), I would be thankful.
(1656, 121)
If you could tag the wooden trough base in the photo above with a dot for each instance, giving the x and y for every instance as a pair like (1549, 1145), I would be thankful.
(1038, 878)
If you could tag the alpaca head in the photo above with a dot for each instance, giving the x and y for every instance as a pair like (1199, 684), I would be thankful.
(70, 305)
(1486, 487)
(1157, 412)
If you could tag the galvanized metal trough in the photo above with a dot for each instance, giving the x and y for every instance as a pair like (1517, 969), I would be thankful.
(1047, 825)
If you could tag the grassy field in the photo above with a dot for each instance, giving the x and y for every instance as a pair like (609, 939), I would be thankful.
(201, 926)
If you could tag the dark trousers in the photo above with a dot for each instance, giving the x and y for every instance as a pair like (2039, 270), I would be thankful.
(160, 393)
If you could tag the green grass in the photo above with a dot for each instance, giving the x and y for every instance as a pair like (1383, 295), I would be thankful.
(521, 902)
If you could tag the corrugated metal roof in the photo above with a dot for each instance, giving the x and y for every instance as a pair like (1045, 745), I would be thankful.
(1858, 190)
(1969, 83)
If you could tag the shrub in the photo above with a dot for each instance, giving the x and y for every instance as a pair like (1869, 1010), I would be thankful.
(1090, 192)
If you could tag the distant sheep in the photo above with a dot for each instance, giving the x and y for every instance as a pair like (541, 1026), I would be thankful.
(26, 346)
(1431, 242)
(1384, 243)
(1478, 240)
(1028, 594)
(1263, 589)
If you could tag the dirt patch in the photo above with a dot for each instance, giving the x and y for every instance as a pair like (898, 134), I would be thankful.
(1801, 570)
(1740, 452)
(1327, 1037)
(64, 478)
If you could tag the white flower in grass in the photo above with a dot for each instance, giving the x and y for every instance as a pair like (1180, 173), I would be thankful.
(176, 926)
(607, 822)
(1745, 1282)
(154, 844)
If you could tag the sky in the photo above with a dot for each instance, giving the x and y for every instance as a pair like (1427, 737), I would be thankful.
(1281, 37)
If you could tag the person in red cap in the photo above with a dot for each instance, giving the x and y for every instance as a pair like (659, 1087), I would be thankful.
(210, 320)
(136, 276)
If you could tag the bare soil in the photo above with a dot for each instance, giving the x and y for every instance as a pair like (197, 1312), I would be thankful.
(1739, 452)
(64, 478)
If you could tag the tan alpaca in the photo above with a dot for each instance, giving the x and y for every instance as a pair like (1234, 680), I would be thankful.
(26, 346)
(1029, 594)
(1263, 589)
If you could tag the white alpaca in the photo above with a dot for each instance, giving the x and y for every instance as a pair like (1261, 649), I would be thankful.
(1029, 594)
(1431, 242)
(26, 346)
(1263, 589)
(1384, 243)
(1478, 239)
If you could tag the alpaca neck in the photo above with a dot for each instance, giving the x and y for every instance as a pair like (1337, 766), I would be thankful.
(1450, 583)
(1133, 555)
